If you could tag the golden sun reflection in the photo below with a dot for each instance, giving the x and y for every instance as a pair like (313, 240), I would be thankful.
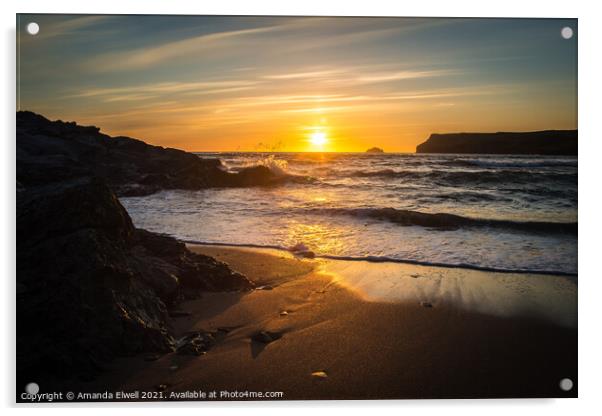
(316, 237)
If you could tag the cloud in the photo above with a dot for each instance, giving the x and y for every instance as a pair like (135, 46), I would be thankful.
(142, 58)
(401, 75)
(206, 87)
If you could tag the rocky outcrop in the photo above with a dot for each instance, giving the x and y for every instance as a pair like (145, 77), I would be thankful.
(64, 150)
(91, 286)
(549, 142)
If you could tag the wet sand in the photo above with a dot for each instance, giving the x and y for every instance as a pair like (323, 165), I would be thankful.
(360, 345)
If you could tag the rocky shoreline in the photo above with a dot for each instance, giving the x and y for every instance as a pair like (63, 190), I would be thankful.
(91, 286)
(56, 151)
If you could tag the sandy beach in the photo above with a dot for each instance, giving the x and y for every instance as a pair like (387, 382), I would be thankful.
(333, 341)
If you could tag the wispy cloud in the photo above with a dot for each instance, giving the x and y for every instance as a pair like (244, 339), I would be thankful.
(206, 87)
(401, 75)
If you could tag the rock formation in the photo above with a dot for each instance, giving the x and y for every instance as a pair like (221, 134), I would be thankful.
(64, 150)
(90, 286)
(549, 142)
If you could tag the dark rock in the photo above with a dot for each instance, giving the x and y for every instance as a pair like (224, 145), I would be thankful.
(265, 337)
(197, 343)
(59, 151)
(306, 254)
(179, 314)
(92, 286)
(375, 150)
(548, 142)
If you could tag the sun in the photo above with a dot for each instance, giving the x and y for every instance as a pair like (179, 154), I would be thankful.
(318, 138)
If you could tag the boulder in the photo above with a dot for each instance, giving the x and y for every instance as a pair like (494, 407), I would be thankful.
(92, 286)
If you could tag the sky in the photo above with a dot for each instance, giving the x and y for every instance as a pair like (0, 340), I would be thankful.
(247, 83)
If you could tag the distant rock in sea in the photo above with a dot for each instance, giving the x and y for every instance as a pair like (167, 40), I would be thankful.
(375, 150)
(548, 142)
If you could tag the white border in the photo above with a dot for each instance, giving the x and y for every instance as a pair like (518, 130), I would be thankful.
(590, 203)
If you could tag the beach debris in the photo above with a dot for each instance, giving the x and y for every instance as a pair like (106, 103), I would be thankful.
(161, 387)
(264, 287)
(320, 374)
(283, 313)
(426, 304)
(179, 314)
(265, 337)
(152, 357)
(415, 276)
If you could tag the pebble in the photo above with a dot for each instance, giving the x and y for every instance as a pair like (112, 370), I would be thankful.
(265, 337)
(319, 374)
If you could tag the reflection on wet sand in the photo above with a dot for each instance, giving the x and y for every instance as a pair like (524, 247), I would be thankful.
(549, 297)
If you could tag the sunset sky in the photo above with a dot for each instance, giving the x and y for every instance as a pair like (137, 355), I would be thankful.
(213, 83)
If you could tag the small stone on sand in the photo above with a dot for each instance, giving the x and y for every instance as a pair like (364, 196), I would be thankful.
(265, 337)
(283, 313)
(415, 276)
(319, 374)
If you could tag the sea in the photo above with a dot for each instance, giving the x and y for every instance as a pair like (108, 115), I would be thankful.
(492, 212)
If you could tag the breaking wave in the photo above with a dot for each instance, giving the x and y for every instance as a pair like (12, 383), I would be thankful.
(444, 221)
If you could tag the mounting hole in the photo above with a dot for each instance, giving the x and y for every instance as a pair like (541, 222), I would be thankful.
(32, 28)
(32, 388)
(566, 32)
(566, 384)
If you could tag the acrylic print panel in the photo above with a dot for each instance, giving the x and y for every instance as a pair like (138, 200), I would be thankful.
(295, 208)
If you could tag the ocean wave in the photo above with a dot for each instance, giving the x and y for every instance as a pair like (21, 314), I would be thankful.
(385, 259)
(514, 163)
(461, 176)
(445, 221)
(278, 166)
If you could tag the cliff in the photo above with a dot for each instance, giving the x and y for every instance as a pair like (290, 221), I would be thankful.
(548, 142)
